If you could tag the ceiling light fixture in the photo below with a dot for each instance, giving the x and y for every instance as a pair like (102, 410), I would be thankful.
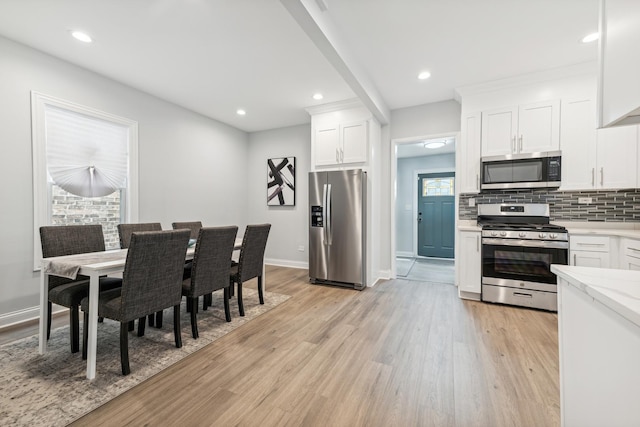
(435, 144)
(591, 38)
(424, 75)
(83, 37)
(317, 96)
(241, 112)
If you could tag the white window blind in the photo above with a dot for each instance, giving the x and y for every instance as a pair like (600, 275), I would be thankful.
(86, 156)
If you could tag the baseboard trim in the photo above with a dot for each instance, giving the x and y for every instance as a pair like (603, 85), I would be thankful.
(286, 263)
(469, 295)
(25, 315)
(404, 254)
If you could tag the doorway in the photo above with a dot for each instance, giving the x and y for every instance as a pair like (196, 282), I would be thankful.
(436, 215)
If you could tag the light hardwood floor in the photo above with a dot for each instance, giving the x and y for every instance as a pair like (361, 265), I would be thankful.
(397, 354)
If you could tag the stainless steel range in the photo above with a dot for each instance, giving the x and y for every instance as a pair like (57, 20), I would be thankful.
(518, 247)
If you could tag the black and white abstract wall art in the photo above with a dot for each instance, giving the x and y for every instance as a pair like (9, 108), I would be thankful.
(281, 179)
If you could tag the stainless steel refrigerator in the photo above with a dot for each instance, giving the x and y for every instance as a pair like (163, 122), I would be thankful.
(337, 227)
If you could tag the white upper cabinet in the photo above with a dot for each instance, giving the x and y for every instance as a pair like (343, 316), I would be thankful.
(327, 141)
(469, 154)
(353, 142)
(499, 129)
(619, 83)
(528, 128)
(596, 159)
(617, 157)
(341, 143)
(578, 144)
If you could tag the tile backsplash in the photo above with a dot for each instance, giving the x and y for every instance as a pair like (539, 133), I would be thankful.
(609, 206)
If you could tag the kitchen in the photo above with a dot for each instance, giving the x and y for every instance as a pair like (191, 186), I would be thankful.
(262, 144)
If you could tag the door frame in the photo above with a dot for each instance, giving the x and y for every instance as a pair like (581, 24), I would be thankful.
(393, 156)
(416, 176)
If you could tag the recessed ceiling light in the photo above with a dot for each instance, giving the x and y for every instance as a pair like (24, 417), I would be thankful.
(591, 38)
(424, 75)
(83, 37)
(317, 96)
(435, 144)
(241, 112)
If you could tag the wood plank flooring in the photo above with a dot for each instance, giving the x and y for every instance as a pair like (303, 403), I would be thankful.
(403, 353)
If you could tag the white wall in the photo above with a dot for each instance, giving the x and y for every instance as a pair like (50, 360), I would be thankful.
(407, 198)
(191, 167)
(427, 119)
(289, 224)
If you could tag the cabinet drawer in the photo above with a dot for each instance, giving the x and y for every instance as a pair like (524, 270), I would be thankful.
(589, 243)
(631, 248)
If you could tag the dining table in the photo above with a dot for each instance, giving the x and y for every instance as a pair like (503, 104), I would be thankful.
(94, 265)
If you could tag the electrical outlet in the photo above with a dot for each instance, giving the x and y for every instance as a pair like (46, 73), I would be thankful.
(301, 248)
(584, 200)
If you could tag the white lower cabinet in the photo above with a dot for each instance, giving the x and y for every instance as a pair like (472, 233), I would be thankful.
(469, 262)
(589, 251)
(630, 254)
(599, 369)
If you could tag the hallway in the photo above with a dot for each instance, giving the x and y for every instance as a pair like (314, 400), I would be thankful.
(435, 270)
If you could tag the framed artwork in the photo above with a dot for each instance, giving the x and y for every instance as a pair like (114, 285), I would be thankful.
(281, 181)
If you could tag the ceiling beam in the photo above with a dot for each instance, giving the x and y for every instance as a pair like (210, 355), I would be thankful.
(324, 34)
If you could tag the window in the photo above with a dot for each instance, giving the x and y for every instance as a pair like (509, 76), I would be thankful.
(85, 168)
(438, 186)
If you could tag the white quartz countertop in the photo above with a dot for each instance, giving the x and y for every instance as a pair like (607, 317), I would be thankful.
(617, 289)
(629, 230)
(467, 225)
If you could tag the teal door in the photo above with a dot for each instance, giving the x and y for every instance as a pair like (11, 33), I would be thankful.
(436, 215)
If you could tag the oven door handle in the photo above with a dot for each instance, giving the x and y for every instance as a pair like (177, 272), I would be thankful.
(525, 243)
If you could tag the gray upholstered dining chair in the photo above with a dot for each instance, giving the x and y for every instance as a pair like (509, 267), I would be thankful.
(210, 271)
(193, 226)
(151, 282)
(124, 232)
(60, 240)
(250, 263)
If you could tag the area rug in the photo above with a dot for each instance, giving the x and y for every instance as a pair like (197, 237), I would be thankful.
(52, 389)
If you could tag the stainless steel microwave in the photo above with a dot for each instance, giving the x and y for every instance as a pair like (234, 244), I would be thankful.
(532, 170)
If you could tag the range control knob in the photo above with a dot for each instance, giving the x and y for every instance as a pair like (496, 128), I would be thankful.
(553, 236)
(542, 235)
(494, 233)
(522, 234)
(503, 233)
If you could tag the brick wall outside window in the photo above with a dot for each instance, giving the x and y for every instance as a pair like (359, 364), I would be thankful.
(69, 209)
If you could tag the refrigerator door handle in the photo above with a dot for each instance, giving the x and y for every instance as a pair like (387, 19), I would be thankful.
(328, 225)
(324, 214)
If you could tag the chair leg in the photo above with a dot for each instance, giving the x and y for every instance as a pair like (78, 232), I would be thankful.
(189, 308)
(240, 302)
(207, 301)
(260, 295)
(152, 319)
(159, 317)
(124, 347)
(227, 310)
(194, 320)
(176, 325)
(74, 326)
(132, 325)
(100, 319)
(49, 308)
(85, 335)
(231, 285)
(141, 325)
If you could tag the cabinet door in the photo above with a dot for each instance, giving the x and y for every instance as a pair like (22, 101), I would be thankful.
(470, 261)
(499, 129)
(469, 173)
(539, 127)
(617, 157)
(354, 142)
(590, 259)
(326, 145)
(578, 144)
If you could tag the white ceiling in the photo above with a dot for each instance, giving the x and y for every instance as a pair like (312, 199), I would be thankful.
(215, 56)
